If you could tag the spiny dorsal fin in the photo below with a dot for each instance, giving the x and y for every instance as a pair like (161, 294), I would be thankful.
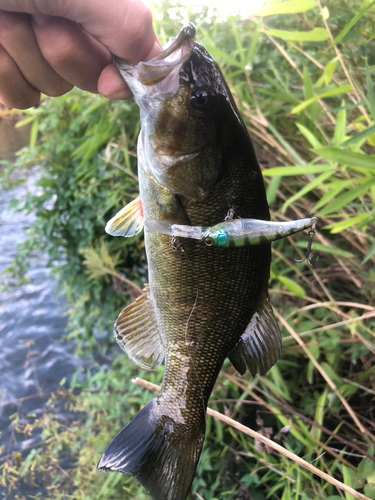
(137, 333)
(260, 346)
(128, 221)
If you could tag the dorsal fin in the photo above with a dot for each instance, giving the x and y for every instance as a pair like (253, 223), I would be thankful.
(128, 221)
(260, 345)
(136, 331)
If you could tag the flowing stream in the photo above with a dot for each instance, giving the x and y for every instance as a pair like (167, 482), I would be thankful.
(33, 356)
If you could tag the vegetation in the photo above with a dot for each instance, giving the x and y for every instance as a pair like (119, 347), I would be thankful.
(302, 74)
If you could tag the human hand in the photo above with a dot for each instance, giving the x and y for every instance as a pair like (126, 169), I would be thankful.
(50, 47)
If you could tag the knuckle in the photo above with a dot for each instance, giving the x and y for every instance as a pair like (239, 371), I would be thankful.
(26, 102)
(20, 102)
(60, 50)
(12, 24)
(58, 89)
(7, 66)
(14, 90)
(139, 29)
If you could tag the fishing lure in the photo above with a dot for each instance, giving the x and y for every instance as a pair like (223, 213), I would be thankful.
(235, 232)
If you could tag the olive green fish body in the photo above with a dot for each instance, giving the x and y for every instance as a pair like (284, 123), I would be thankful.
(196, 163)
(205, 297)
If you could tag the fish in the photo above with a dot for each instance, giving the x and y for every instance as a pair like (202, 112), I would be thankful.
(197, 167)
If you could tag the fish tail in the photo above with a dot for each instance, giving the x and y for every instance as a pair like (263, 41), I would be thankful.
(160, 453)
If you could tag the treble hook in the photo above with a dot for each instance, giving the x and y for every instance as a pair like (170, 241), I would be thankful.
(308, 254)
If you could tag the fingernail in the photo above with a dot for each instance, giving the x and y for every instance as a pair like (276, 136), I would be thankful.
(119, 95)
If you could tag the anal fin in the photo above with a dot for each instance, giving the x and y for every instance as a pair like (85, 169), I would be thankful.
(128, 221)
(260, 345)
(136, 331)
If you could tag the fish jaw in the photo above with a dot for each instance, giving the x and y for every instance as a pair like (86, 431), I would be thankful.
(158, 79)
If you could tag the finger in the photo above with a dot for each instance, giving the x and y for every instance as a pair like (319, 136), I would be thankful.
(75, 55)
(18, 39)
(124, 27)
(112, 85)
(15, 91)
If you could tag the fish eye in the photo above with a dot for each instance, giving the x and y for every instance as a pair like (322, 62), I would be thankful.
(201, 100)
(209, 242)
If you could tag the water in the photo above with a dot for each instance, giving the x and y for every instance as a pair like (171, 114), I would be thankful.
(33, 356)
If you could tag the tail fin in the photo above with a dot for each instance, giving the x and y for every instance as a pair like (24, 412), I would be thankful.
(159, 452)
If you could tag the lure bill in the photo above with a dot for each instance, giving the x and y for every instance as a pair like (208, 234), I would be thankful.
(234, 233)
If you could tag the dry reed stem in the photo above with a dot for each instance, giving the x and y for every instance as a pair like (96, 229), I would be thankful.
(342, 323)
(278, 410)
(326, 377)
(279, 403)
(132, 285)
(270, 443)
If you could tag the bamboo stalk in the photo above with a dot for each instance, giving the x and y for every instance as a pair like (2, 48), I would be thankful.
(270, 443)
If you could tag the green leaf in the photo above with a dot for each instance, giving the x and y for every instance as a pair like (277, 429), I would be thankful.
(272, 188)
(369, 490)
(254, 41)
(334, 188)
(339, 132)
(291, 151)
(348, 106)
(319, 413)
(351, 23)
(329, 70)
(287, 7)
(27, 462)
(34, 134)
(369, 254)
(309, 94)
(348, 480)
(319, 247)
(25, 121)
(306, 189)
(315, 35)
(297, 170)
(366, 467)
(328, 93)
(346, 157)
(370, 91)
(314, 142)
(337, 227)
(292, 286)
(347, 197)
(358, 137)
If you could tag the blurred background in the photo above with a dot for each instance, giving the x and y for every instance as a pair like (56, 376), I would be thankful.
(302, 73)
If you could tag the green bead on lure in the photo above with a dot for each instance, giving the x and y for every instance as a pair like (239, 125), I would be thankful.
(235, 232)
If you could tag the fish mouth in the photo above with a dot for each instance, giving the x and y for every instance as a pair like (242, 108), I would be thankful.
(159, 77)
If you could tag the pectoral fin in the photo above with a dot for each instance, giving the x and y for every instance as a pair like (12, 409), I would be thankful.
(137, 332)
(260, 345)
(128, 221)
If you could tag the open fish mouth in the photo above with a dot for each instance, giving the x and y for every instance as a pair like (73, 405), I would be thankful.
(159, 77)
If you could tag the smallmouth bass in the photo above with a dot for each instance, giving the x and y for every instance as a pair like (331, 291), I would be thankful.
(196, 166)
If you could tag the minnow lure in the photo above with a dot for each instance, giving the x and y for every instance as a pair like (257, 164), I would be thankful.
(235, 232)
